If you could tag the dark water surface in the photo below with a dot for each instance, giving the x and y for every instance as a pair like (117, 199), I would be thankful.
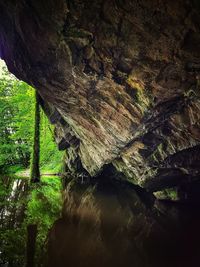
(101, 224)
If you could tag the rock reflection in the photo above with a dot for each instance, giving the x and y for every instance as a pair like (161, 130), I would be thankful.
(104, 223)
(115, 224)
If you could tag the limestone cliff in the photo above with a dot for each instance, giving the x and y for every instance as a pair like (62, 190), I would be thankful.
(119, 79)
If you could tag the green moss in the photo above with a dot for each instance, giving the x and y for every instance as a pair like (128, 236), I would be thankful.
(158, 155)
(168, 194)
(141, 97)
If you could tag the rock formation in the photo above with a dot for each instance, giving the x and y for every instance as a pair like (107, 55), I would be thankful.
(119, 79)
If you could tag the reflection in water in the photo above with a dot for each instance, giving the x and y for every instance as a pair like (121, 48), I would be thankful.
(103, 224)
(13, 195)
(23, 208)
(115, 224)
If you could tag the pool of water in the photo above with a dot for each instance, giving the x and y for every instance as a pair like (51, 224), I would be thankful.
(115, 224)
(102, 223)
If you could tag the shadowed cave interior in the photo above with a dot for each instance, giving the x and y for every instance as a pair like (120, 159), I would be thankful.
(120, 81)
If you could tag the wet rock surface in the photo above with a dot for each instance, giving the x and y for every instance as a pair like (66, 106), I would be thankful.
(121, 79)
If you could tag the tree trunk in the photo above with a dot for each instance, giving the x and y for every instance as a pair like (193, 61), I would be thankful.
(31, 242)
(35, 164)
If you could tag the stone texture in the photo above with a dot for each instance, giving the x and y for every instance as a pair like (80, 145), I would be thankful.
(122, 80)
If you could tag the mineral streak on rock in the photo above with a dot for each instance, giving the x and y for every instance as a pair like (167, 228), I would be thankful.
(121, 77)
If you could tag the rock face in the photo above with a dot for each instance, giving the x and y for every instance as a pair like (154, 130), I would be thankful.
(119, 79)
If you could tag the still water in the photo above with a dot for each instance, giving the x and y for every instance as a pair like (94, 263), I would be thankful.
(27, 212)
(102, 223)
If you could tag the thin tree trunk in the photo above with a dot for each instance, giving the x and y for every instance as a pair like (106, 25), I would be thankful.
(35, 164)
(31, 245)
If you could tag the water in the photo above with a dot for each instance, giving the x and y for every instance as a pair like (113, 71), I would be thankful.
(23, 207)
(103, 223)
(114, 224)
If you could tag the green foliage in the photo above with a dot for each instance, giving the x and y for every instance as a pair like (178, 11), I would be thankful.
(44, 206)
(36, 204)
(50, 156)
(17, 104)
(44, 197)
(16, 107)
(20, 203)
(169, 193)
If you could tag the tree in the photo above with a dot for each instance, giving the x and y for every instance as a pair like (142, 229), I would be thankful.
(16, 122)
(35, 164)
(17, 128)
